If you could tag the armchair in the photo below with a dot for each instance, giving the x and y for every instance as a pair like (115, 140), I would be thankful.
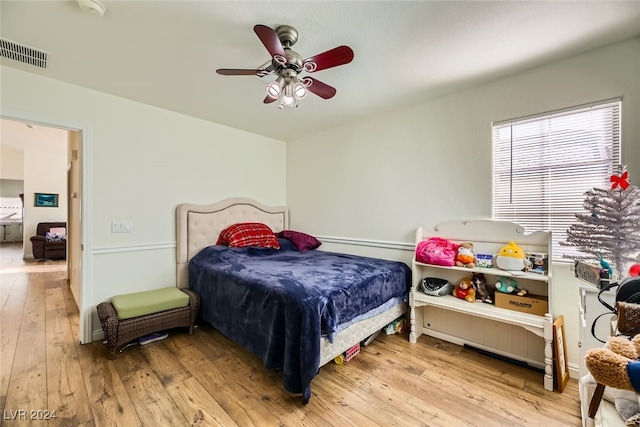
(48, 249)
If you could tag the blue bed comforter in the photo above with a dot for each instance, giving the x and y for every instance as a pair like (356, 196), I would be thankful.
(279, 303)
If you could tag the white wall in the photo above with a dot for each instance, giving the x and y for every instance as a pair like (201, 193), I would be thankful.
(11, 163)
(45, 171)
(382, 177)
(140, 163)
(37, 156)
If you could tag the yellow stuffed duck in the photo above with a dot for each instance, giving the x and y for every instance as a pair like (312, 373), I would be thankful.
(511, 258)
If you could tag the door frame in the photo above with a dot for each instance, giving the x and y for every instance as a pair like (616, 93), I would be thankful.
(83, 231)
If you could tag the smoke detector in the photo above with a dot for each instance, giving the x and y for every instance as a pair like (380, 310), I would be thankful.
(92, 7)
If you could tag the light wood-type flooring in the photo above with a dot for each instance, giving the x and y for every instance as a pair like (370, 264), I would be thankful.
(205, 379)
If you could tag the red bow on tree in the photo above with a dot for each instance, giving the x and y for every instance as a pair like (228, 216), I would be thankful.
(621, 180)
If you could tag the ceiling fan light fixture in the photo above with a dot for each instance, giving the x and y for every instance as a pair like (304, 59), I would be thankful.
(275, 88)
(299, 89)
(288, 101)
(287, 96)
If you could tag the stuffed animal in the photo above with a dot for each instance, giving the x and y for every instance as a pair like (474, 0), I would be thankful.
(616, 364)
(465, 290)
(511, 257)
(465, 256)
(484, 292)
(507, 285)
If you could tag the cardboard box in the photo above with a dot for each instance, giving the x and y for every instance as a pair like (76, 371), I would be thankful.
(532, 304)
(484, 260)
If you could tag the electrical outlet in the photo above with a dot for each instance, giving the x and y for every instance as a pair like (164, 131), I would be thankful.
(122, 226)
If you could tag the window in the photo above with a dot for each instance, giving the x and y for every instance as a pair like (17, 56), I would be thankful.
(543, 165)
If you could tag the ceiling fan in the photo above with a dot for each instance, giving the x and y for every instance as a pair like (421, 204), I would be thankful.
(286, 65)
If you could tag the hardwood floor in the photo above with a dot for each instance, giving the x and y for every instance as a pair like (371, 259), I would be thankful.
(205, 379)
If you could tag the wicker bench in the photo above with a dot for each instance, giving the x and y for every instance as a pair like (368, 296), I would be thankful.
(119, 331)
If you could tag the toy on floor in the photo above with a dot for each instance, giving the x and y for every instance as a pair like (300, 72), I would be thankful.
(465, 290)
(465, 256)
(148, 339)
(512, 258)
(398, 326)
(484, 292)
(368, 340)
(347, 355)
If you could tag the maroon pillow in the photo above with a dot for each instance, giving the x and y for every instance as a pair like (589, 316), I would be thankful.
(245, 234)
(302, 241)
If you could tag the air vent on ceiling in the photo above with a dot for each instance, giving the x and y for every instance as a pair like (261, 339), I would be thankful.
(21, 53)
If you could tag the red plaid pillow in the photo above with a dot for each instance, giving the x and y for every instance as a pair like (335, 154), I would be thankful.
(245, 234)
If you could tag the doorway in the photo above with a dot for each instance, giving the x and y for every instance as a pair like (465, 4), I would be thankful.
(42, 144)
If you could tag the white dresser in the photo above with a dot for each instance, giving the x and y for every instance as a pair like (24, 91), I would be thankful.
(590, 309)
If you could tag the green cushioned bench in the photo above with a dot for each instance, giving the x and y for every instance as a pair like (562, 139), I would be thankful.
(148, 302)
(130, 316)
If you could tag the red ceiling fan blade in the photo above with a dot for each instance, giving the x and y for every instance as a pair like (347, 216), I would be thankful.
(269, 100)
(323, 90)
(332, 58)
(270, 40)
(241, 72)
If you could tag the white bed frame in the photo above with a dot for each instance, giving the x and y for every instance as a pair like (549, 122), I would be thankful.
(198, 226)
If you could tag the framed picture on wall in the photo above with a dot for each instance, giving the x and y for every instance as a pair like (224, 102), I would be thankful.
(46, 200)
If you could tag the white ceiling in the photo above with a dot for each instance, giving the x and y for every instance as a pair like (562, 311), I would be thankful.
(165, 53)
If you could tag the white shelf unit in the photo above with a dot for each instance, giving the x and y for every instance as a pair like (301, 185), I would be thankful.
(481, 325)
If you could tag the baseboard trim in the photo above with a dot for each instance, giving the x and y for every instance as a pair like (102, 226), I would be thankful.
(574, 371)
(97, 335)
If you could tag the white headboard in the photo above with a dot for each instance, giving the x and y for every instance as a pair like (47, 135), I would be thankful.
(198, 226)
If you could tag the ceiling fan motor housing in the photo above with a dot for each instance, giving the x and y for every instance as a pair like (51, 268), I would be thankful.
(294, 60)
(287, 34)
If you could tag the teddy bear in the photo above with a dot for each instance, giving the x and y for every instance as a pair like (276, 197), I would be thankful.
(465, 256)
(465, 290)
(616, 364)
(484, 292)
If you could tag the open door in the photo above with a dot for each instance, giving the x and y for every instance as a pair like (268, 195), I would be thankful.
(74, 226)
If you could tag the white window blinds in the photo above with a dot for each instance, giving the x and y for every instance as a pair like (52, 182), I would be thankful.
(543, 165)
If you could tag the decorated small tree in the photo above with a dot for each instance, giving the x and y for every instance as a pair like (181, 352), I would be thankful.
(610, 228)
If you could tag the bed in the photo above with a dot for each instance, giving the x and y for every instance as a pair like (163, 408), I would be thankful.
(297, 310)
